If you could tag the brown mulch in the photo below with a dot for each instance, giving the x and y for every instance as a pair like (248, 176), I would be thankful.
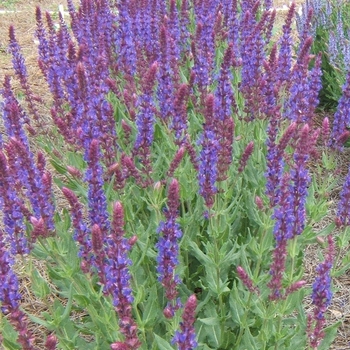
(23, 18)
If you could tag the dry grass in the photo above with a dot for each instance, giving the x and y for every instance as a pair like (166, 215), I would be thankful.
(23, 18)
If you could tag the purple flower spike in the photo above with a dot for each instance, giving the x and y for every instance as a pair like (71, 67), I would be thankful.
(203, 56)
(168, 249)
(38, 189)
(51, 342)
(275, 162)
(184, 23)
(294, 287)
(145, 120)
(343, 213)
(165, 88)
(179, 120)
(253, 56)
(97, 199)
(245, 156)
(342, 116)
(282, 230)
(80, 230)
(125, 40)
(300, 106)
(246, 280)
(118, 278)
(120, 346)
(285, 53)
(11, 207)
(321, 297)
(21, 72)
(10, 297)
(40, 33)
(176, 161)
(13, 115)
(300, 178)
(186, 337)
(208, 172)
(97, 246)
(277, 270)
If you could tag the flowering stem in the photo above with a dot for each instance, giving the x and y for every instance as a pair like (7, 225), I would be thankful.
(279, 326)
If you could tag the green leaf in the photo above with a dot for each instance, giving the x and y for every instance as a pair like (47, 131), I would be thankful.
(236, 306)
(231, 256)
(210, 334)
(201, 256)
(47, 325)
(248, 341)
(330, 334)
(61, 169)
(60, 313)
(162, 344)
(39, 286)
(9, 335)
(9, 345)
(151, 309)
(81, 300)
(340, 272)
(210, 321)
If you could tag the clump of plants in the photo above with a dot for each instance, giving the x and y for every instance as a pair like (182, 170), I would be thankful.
(330, 30)
(181, 140)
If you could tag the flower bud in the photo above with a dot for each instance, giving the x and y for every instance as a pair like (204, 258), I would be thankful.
(259, 203)
(132, 240)
(74, 171)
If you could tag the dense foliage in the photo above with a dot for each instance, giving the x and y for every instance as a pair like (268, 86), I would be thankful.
(330, 31)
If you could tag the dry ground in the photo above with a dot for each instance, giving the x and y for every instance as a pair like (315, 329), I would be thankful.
(23, 18)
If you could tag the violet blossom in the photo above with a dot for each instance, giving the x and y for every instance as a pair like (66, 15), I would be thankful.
(145, 121)
(341, 116)
(168, 250)
(185, 338)
(81, 233)
(285, 43)
(208, 160)
(21, 72)
(321, 297)
(10, 297)
(118, 277)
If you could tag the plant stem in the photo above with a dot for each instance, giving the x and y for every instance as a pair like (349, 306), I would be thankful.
(244, 321)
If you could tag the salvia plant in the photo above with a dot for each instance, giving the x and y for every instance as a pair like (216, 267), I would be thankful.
(170, 198)
(331, 34)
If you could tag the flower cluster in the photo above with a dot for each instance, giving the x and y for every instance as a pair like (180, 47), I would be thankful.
(10, 297)
(321, 297)
(290, 202)
(168, 250)
(118, 277)
(186, 338)
(207, 173)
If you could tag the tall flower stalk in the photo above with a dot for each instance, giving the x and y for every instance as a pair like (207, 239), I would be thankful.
(118, 278)
(186, 337)
(321, 297)
(168, 250)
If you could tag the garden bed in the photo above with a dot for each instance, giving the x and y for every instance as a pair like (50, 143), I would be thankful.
(22, 15)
